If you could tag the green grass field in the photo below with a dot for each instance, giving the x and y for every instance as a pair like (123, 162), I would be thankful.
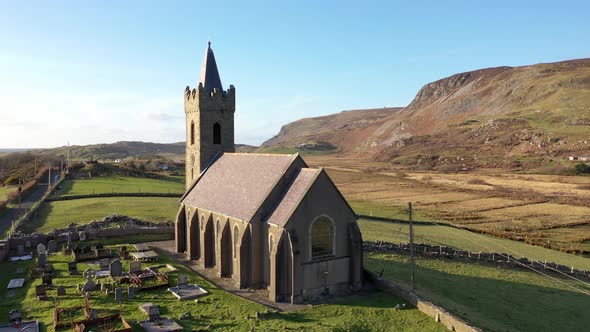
(5, 190)
(218, 311)
(429, 233)
(60, 214)
(492, 298)
(121, 184)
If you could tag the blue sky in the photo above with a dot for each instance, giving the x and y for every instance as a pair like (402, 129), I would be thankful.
(103, 71)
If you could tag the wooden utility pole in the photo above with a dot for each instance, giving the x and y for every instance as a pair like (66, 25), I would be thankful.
(411, 246)
(49, 175)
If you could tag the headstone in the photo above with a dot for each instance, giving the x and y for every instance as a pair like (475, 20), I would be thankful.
(93, 314)
(40, 292)
(116, 268)
(41, 249)
(131, 292)
(73, 267)
(181, 280)
(104, 264)
(41, 260)
(61, 291)
(20, 250)
(118, 294)
(15, 315)
(135, 267)
(47, 279)
(51, 246)
(89, 285)
(82, 235)
(28, 244)
(88, 273)
(91, 234)
(154, 310)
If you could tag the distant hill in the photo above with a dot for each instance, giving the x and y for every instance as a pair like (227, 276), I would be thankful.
(495, 117)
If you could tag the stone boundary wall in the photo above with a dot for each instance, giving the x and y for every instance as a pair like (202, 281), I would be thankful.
(96, 229)
(500, 259)
(102, 195)
(450, 321)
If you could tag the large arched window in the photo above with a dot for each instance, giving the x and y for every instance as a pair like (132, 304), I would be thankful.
(322, 237)
(216, 133)
(192, 133)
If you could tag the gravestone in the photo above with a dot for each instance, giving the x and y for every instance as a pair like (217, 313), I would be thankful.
(181, 280)
(73, 267)
(28, 244)
(131, 292)
(135, 267)
(47, 279)
(41, 249)
(89, 284)
(20, 250)
(51, 246)
(93, 314)
(116, 268)
(88, 273)
(82, 235)
(104, 264)
(61, 291)
(40, 292)
(15, 315)
(118, 294)
(42, 260)
(91, 234)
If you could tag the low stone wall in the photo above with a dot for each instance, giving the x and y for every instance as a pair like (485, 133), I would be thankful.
(452, 322)
(103, 228)
(103, 195)
(498, 258)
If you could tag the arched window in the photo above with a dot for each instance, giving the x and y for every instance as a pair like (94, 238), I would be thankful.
(322, 237)
(192, 133)
(216, 133)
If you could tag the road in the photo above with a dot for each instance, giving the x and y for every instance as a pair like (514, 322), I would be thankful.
(11, 214)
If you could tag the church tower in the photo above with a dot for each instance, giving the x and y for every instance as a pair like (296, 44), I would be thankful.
(209, 119)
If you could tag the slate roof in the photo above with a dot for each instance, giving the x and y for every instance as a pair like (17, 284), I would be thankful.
(237, 184)
(209, 73)
(293, 196)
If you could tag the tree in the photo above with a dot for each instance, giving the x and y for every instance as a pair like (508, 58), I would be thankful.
(582, 168)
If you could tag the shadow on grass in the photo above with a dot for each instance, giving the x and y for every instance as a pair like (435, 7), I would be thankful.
(493, 304)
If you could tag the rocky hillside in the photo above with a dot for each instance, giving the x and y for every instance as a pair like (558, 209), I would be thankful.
(495, 117)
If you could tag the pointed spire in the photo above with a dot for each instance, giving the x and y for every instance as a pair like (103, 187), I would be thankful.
(209, 74)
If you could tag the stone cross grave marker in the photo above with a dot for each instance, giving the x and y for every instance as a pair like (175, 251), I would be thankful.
(116, 268)
(89, 284)
(88, 273)
(82, 235)
(41, 249)
(51, 246)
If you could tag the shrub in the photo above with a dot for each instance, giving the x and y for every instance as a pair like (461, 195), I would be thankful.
(449, 168)
(582, 168)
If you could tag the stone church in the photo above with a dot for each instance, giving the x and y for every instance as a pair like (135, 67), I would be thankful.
(267, 221)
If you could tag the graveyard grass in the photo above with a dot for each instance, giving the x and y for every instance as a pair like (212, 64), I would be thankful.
(59, 214)
(218, 311)
(490, 297)
(121, 184)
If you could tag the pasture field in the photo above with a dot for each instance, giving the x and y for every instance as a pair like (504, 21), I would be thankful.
(121, 184)
(440, 235)
(546, 210)
(217, 311)
(59, 214)
(492, 298)
(5, 190)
